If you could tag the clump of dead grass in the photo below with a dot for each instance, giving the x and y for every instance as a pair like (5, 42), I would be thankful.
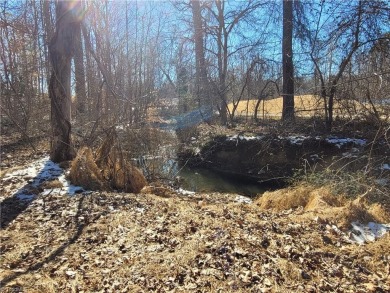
(52, 184)
(321, 202)
(109, 170)
(308, 197)
(85, 172)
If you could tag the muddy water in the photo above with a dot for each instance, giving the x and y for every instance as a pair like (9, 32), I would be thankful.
(165, 166)
(161, 163)
(204, 180)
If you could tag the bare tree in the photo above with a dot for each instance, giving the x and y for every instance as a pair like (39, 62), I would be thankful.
(333, 39)
(61, 51)
(288, 66)
(226, 20)
(201, 72)
(81, 93)
(22, 58)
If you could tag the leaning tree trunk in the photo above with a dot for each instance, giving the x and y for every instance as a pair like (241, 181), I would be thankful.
(61, 51)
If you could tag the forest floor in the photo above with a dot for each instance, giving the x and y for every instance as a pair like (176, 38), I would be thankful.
(298, 239)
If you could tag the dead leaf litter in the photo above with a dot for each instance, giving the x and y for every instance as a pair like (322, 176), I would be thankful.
(121, 242)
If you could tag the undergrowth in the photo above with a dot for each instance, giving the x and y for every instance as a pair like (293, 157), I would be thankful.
(349, 184)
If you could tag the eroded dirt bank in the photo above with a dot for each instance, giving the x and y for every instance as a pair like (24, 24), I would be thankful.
(270, 158)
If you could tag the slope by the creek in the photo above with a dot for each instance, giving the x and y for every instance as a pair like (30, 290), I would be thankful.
(107, 242)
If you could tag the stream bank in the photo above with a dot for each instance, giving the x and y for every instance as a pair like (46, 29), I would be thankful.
(208, 159)
(273, 160)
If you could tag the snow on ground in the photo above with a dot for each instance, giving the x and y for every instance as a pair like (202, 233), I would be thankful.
(243, 199)
(244, 137)
(185, 192)
(298, 140)
(24, 182)
(361, 233)
(385, 167)
(339, 142)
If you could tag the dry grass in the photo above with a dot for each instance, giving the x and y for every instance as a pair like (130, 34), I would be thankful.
(308, 197)
(323, 203)
(109, 170)
(305, 106)
(52, 184)
(84, 171)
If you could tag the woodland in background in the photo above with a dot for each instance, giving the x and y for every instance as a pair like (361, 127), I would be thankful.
(141, 63)
(126, 83)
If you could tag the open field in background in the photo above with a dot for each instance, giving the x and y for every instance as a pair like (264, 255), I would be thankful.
(305, 106)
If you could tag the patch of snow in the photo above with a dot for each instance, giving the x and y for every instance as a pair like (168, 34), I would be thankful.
(244, 137)
(243, 199)
(34, 175)
(140, 210)
(249, 138)
(197, 151)
(185, 192)
(385, 167)
(367, 233)
(297, 140)
(382, 181)
(232, 137)
(339, 142)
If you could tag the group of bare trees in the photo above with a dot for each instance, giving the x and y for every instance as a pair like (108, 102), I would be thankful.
(336, 36)
(115, 62)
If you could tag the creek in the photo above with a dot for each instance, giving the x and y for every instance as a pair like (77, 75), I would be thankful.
(243, 164)
(195, 179)
(206, 180)
(162, 163)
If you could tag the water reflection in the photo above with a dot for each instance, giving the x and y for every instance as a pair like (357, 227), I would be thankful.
(204, 180)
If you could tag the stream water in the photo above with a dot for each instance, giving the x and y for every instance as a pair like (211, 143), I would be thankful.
(166, 166)
(161, 162)
(204, 180)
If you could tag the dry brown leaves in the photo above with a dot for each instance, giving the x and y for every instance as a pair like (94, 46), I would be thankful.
(102, 242)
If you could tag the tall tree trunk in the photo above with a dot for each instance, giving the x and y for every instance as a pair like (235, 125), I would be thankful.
(81, 94)
(288, 67)
(61, 51)
(48, 34)
(201, 73)
(222, 60)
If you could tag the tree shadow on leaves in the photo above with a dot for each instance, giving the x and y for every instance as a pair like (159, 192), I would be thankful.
(78, 231)
(13, 206)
